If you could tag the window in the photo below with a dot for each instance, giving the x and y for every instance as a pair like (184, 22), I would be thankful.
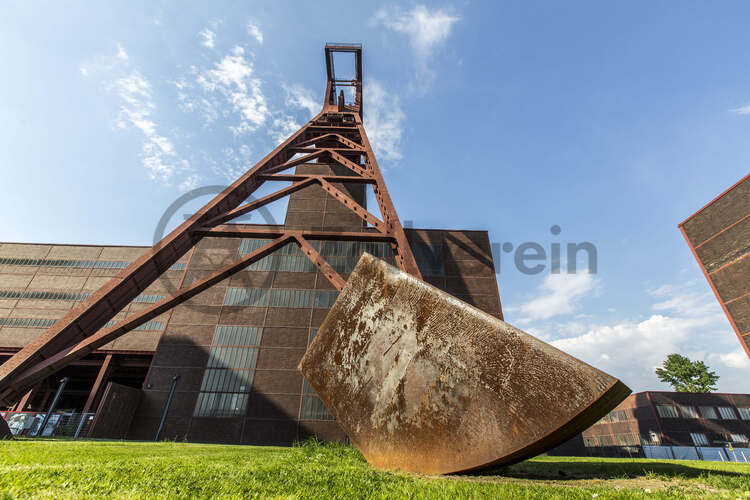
(429, 258)
(652, 438)
(229, 372)
(727, 413)
(744, 413)
(312, 407)
(618, 416)
(341, 255)
(17, 294)
(625, 440)
(688, 412)
(149, 325)
(699, 439)
(282, 297)
(85, 264)
(257, 297)
(738, 438)
(665, 411)
(707, 412)
(149, 299)
(606, 441)
(27, 322)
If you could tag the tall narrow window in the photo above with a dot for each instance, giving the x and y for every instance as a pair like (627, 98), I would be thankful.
(313, 407)
(666, 411)
(229, 372)
(699, 439)
(727, 413)
(707, 412)
(688, 412)
(738, 438)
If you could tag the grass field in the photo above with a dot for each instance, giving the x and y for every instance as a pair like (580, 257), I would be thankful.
(30, 468)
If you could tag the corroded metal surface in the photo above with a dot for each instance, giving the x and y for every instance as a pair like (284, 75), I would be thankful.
(423, 382)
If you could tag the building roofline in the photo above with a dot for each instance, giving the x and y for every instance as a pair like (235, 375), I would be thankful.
(264, 225)
(714, 200)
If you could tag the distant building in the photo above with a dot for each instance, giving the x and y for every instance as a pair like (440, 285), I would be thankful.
(683, 425)
(719, 236)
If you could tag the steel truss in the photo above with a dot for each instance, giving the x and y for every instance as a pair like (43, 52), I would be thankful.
(336, 136)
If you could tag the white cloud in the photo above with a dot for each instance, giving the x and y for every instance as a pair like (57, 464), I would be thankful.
(232, 79)
(742, 110)
(282, 128)
(300, 97)
(426, 30)
(632, 349)
(136, 111)
(735, 359)
(121, 54)
(559, 294)
(208, 38)
(84, 71)
(234, 162)
(254, 32)
(384, 121)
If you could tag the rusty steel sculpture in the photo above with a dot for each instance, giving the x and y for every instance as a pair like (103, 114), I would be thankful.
(424, 382)
(418, 379)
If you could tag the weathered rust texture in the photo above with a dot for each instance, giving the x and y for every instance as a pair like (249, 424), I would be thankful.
(423, 382)
(719, 237)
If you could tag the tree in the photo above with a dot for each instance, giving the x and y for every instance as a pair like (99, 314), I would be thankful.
(687, 376)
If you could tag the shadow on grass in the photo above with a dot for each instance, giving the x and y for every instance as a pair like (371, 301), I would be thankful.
(575, 470)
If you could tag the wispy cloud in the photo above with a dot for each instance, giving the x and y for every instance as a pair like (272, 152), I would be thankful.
(254, 32)
(684, 321)
(742, 110)
(137, 112)
(208, 38)
(384, 121)
(282, 128)
(121, 54)
(559, 294)
(232, 80)
(427, 30)
(300, 97)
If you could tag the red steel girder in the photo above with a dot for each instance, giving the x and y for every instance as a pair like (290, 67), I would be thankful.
(81, 330)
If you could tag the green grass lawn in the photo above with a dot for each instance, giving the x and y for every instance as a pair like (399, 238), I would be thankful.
(49, 468)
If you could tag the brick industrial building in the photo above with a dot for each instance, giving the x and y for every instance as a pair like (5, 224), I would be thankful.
(273, 309)
(233, 348)
(719, 236)
(670, 425)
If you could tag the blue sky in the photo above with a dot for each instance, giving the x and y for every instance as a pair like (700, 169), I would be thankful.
(614, 121)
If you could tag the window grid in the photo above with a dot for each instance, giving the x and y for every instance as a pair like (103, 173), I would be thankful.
(341, 255)
(618, 416)
(27, 322)
(727, 413)
(738, 438)
(312, 407)
(149, 325)
(744, 413)
(149, 299)
(84, 264)
(688, 412)
(667, 411)
(280, 297)
(707, 412)
(70, 296)
(229, 371)
(699, 439)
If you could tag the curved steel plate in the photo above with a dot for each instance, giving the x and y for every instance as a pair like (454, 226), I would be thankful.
(423, 382)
